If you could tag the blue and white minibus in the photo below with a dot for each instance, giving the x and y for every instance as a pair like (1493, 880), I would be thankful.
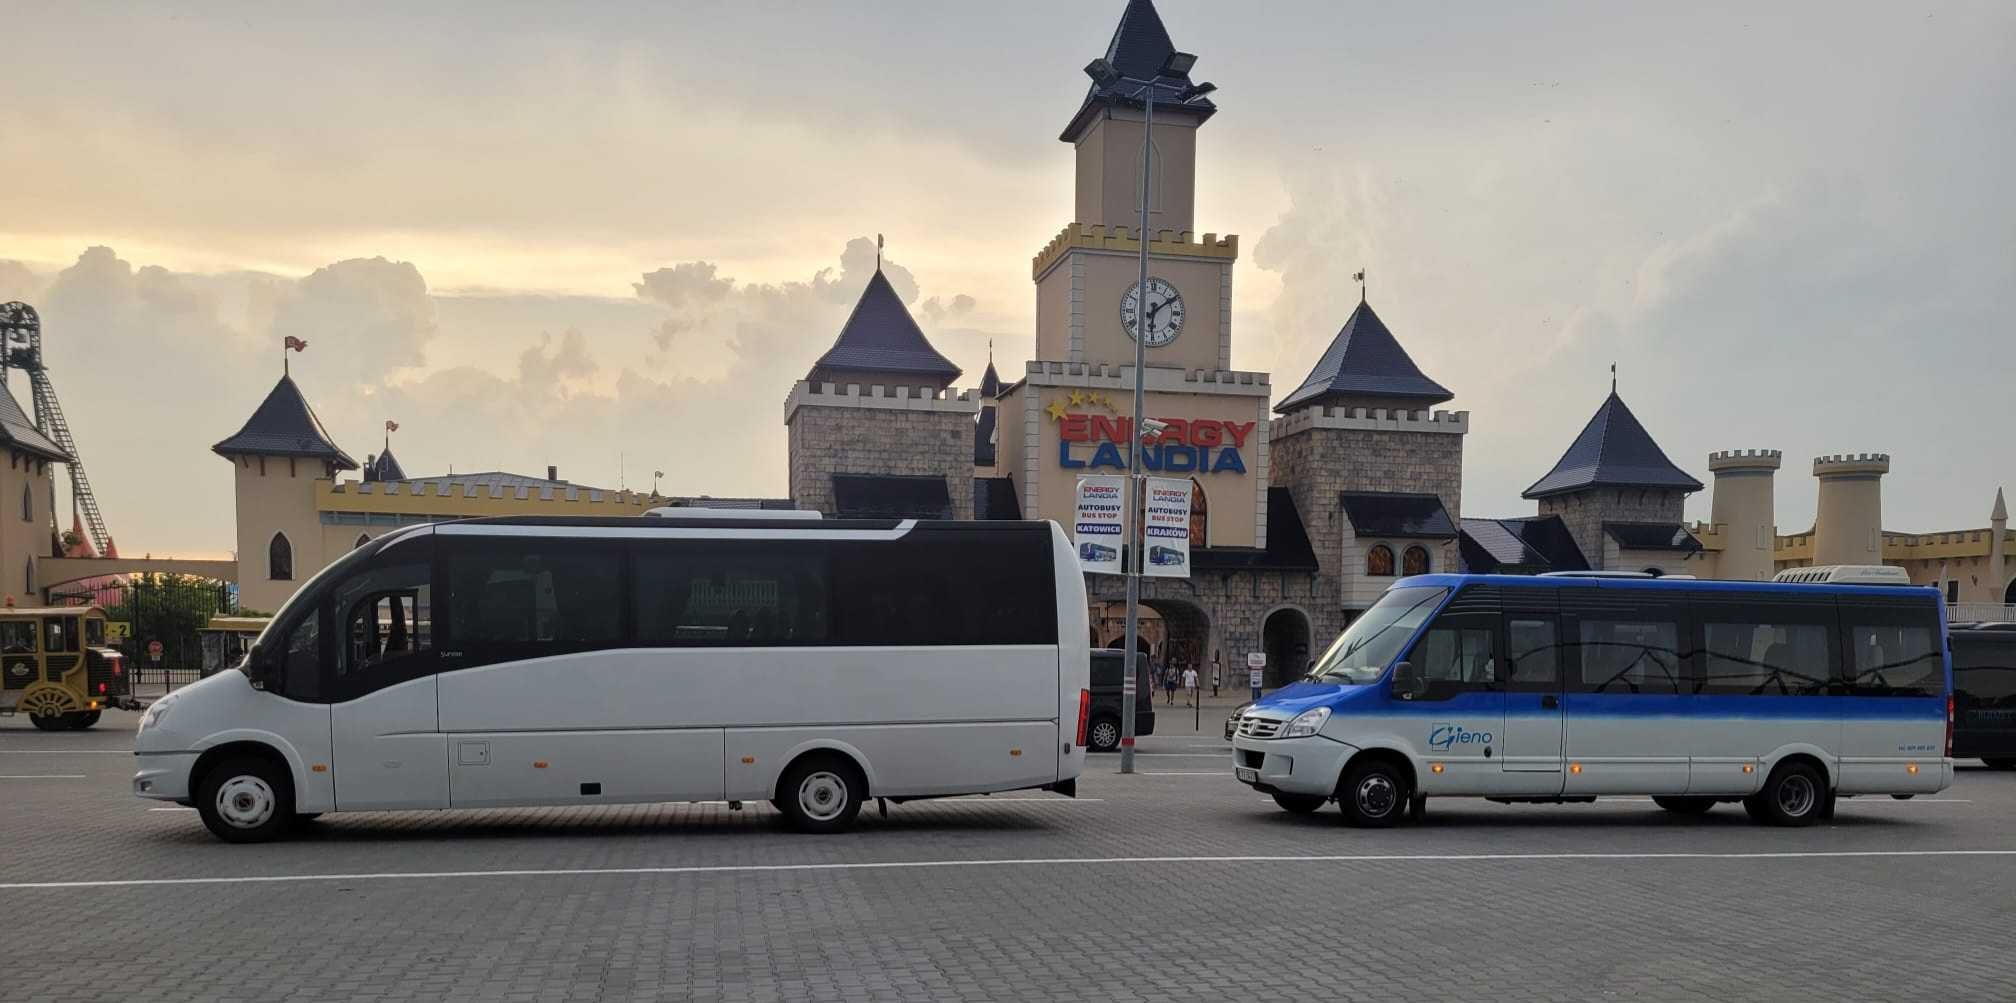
(1560, 689)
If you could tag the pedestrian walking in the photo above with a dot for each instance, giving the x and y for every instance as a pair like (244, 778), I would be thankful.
(1190, 685)
(1256, 676)
(1169, 680)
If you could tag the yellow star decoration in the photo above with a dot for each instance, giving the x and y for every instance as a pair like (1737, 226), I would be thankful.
(1055, 410)
(1077, 398)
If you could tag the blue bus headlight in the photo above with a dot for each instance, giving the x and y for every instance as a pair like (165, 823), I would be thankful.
(1309, 722)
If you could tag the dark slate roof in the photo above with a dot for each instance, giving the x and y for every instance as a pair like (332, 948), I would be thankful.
(995, 498)
(1365, 360)
(383, 467)
(758, 504)
(1139, 47)
(1519, 546)
(1288, 547)
(1383, 513)
(880, 336)
(284, 425)
(990, 381)
(1614, 450)
(872, 496)
(1652, 536)
(983, 437)
(19, 432)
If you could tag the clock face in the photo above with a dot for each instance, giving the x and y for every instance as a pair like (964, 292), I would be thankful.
(1165, 312)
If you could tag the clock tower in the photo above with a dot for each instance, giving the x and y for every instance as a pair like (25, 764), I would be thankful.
(1086, 278)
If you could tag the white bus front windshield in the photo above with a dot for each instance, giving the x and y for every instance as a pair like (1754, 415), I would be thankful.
(1361, 653)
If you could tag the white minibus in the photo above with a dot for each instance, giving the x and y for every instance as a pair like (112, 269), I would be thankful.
(1781, 697)
(695, 657)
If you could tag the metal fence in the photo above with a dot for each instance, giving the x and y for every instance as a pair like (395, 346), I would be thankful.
(1980, 611)
(143, 611)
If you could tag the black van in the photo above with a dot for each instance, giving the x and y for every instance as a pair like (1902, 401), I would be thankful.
(1102, 730)
(1984, 692)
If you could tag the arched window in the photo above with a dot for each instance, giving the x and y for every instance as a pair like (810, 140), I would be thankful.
(1379, 562)
(1414, 561)
(2009, 595)
(362, 539)
(280, 559)
(28, 502)
(28, 577)
(1200, 516)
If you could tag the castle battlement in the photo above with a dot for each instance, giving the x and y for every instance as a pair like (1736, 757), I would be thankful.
(1099, 237)
(1159, 380)
(441, 498)
(1745, 459)
(1840, 464)
(1359, 419)
(880, 397)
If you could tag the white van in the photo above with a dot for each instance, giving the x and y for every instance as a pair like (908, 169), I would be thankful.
(549, 661)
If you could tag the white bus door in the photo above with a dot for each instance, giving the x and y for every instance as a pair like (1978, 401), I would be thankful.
(1460, 710)
(1533, 730)
(384, 718)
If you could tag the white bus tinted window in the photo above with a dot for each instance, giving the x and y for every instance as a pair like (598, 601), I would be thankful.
(1535, 656)
(730, 594)
(1455, 659)
(515, 591)
(1625, 656)
(1894, 660)
(1764, 659)
(386, 612)
(945, 588)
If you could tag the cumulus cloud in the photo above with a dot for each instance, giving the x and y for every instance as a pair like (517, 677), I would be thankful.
(370, 315)
(17, 282)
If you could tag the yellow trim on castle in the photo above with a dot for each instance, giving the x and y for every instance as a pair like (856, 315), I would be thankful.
(1165, 243)
(424, 498)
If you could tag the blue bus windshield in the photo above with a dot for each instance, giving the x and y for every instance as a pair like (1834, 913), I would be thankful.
(1362, 651)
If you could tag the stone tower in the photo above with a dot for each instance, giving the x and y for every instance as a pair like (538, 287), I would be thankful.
(28, 485)
(1619, 495)
(276, 460)
(1366, 460)
(874, 430)
(1743, 507)
(1848, 522)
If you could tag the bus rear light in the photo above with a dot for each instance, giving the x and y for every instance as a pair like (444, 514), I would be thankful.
(1575, 768)
(1084, 714)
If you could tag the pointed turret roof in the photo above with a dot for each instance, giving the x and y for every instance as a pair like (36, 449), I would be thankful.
(990, 381)
(1139, 47)
(1365, 360)
(284, 425)
(881, 337)
(17, 431)
(2001, 510)
(383, 467)
(1614, 450)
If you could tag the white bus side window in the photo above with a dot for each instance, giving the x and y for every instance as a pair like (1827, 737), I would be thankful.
(1455, 656)
(1630, 656)
(1894, 660)
(1766, 659)
(515, 597)
(387, 613)
(1535, 656)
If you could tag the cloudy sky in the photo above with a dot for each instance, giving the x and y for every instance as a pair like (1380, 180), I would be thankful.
(609, 237)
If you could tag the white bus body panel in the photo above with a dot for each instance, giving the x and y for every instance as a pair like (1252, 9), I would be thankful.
(389, 751)
(224, 708)
(1074, 653)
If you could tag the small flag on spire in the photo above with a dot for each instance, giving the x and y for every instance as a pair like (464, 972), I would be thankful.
(391, 426)
(294, 344)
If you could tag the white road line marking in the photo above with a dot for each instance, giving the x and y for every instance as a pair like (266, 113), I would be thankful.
(900, 865)
(1158, 773)
(41, 776)
(1846, 802)
(172, 808)
(1185, 755)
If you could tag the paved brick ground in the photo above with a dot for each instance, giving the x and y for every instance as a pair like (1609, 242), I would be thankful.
(1026, 897)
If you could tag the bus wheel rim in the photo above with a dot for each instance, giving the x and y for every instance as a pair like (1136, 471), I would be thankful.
(245, 802)
(1795, 796)
(1105, 734)
(823, 796)
(1376, 796)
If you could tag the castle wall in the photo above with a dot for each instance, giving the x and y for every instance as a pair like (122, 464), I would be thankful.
(277, 494)
(882, 431)
(27, 490)
(1586, 511)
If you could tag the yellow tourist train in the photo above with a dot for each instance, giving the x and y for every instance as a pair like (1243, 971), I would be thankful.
(56, 667)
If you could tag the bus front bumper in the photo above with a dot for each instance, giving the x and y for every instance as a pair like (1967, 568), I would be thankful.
(1308, 765)
(164, 776)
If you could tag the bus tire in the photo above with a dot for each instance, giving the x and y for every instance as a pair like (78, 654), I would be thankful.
(821, 793)
(1300, 804)
(1103, 734)
(1999, 763)
(1792, 796)
(1685, 805)
(246, 799)
(1374, 794)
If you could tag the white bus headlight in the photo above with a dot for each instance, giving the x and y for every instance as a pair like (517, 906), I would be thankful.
(1309, 722)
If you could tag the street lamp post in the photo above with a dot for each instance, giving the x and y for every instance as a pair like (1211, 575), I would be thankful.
(1104, 73)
